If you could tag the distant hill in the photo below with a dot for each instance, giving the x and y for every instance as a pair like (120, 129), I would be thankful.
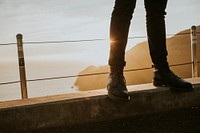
(179, 51)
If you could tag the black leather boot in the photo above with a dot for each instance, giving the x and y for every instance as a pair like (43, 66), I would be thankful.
(117, 85)
(163, 76)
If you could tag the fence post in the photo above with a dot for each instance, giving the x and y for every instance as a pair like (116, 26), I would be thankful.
(194, 52)
(21, 66)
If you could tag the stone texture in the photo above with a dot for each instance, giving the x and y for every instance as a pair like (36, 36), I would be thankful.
(61, 112)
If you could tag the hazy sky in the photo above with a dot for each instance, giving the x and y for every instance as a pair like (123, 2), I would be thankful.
(81, 19)
(44, 20)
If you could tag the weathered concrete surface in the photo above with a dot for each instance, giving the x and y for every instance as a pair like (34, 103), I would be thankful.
(62, 111)
(184, 120)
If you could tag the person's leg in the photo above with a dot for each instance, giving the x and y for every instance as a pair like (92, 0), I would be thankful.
(119, 28)
(155, 21)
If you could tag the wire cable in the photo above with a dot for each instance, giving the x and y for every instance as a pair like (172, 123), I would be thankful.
(90, 74)
(86, 40)
(67, 41)
(99, 73)
(7, 44)
(11, 82)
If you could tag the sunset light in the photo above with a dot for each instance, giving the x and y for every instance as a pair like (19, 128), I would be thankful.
(64, 37)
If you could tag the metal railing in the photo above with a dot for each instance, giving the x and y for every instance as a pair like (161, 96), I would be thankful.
(22, 71)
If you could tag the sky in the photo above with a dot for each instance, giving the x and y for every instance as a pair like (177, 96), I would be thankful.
(80, 19)
(50, 20)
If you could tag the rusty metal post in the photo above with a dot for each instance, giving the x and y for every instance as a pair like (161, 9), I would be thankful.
(194, 52)
(22, 72)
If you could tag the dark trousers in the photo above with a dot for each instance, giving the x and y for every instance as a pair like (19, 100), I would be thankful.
(155, 22)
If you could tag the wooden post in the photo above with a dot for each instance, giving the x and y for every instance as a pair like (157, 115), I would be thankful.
(194, 52)
(22, 66)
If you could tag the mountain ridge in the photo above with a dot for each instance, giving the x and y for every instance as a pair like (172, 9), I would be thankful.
(138, 57)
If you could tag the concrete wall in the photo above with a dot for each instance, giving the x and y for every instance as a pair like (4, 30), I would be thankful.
(91, 106)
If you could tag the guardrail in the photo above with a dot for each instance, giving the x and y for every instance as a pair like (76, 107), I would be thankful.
(23, 81)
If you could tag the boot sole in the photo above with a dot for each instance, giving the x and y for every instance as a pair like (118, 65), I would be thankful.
(181, 89)
(161, 84)
(115, 98)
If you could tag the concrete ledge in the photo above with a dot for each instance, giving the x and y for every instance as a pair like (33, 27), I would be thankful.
(91, 106)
